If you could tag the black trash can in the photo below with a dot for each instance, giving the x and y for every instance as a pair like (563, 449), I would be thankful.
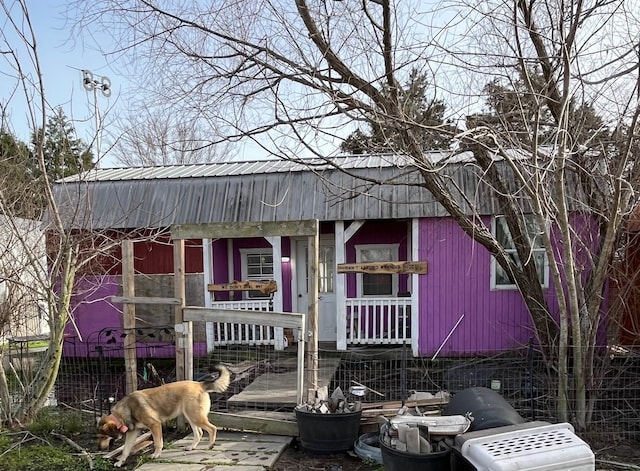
(328, 433)
(394, 460)
(487, 408)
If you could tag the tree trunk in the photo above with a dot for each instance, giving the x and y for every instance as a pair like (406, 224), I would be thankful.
(44, 382)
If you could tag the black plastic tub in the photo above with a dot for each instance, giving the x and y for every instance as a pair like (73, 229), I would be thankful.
(328, 433)
(394, 460)
(487, 408)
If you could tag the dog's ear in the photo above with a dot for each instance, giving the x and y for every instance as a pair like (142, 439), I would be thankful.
(102, 420)
(106, 426)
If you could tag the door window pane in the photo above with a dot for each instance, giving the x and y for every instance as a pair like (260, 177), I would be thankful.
(326, 264)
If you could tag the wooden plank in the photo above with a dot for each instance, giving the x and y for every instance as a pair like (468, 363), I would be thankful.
(129, 318)
(436, 401)
(233, 230)
(375, 413)
(255, 424)
(276, 390)
(144, 300)
(237, 316)
(266, 287)
(384, 267)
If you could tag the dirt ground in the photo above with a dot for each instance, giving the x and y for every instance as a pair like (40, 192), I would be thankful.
(615, 458)
(295, 458)
(618, 457)
(609, 456)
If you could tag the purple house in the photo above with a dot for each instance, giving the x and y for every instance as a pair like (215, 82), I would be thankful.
(463, 304)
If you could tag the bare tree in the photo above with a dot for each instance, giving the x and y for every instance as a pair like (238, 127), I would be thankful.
(149, 136)
(41, 255)
(305, 71)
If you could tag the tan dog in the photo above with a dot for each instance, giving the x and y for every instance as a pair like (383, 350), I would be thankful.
(149, 408)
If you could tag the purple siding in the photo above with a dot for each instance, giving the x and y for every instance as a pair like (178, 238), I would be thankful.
(92, 311)
(220, 260)
(378, 232)
(91, 306)
(459, 282)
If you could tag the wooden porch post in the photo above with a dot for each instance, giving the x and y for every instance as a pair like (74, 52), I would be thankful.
(415, 287)
(342, 237)
(278, 304)
(129, 317)
(182, 335)
(312, 317)
(207, 259)
(341, 293)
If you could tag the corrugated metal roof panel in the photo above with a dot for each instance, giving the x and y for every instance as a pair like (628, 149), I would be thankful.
(259, 191)
(218, 169)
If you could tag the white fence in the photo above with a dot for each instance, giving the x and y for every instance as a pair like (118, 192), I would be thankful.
(221, 334)
(382, 321)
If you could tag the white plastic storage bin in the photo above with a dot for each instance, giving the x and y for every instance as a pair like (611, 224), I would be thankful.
(535, 446)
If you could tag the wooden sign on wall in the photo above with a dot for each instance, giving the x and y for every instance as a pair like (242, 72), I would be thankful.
(384, 267)
(266, 287)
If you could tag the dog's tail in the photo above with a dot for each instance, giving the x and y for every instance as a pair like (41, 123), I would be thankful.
(221, 383)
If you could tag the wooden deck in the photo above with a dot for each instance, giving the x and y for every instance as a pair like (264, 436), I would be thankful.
(278, 390)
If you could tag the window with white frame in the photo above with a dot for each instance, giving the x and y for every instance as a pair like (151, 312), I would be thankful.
(377, 284)
(500, 279)
(257, 265)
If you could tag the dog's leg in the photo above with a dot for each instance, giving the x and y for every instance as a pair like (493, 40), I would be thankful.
(129, 441)
(197, 436)
(156, 431)
(213, 432)
(211, 429)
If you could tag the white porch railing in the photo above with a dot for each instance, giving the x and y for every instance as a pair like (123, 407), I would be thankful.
(220, 334)
(378, 321)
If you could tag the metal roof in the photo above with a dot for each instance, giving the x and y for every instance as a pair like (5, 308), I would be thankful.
(266, 190)
(228, 169)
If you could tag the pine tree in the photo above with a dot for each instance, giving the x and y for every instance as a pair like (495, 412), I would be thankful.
(64, 153)
(18, 188)
(419, 112)
(519, 115)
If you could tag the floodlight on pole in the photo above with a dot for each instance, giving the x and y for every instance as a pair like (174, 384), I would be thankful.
(92, 84)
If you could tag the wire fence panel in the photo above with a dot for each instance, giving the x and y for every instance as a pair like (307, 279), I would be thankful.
(92, 377)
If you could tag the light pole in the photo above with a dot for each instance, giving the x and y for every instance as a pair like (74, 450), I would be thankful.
(93, 85)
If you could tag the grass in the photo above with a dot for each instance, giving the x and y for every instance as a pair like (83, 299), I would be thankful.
(41, 448)
(52, 419)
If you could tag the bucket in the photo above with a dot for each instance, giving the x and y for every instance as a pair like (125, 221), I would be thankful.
(487, 408)
(394, 460)
(328, 433)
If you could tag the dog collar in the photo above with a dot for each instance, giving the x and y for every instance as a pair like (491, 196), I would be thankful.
(122, 428)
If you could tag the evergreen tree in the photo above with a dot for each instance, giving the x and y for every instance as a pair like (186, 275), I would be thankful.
(64, 153)
(18, 188)
(520, 114)
(419, 113)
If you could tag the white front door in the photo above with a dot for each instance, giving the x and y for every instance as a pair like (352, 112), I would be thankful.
(326, 282)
